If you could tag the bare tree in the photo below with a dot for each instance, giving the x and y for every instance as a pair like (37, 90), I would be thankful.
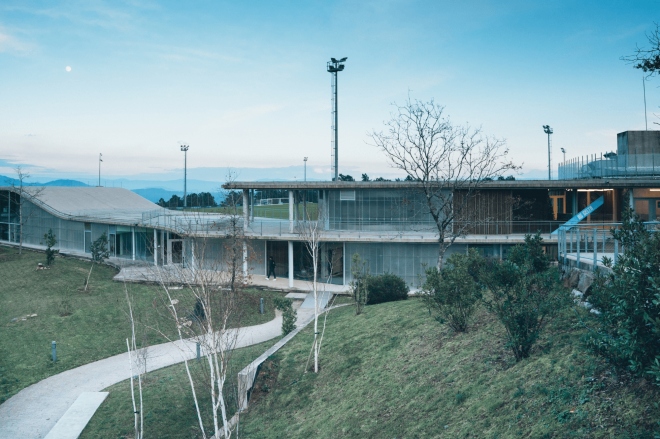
(448, 164)
(134, 356)
(203, 300)
(24, 192)
(311, 232)
(647, 59)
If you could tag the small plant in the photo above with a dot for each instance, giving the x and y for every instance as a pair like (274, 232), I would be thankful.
(289, 314)
(359, 285)
(454, 292)
(99, 249)
(386, 288)
(65, 308)
(522, 298)
(51, 241)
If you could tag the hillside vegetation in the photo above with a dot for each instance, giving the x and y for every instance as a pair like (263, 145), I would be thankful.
(395, 372)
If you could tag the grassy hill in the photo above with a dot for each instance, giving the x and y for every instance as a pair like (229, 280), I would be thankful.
(95, 326)
(395, 372)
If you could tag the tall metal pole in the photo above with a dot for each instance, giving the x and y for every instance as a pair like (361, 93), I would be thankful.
(336, 131)
(549, 131)
(334, 67)
(646, 122)
(305, 160)
(100, 160)
(184, 148)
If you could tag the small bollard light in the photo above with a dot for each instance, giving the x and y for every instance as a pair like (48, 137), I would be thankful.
(53, 345)
(198, 353)
(262, 305)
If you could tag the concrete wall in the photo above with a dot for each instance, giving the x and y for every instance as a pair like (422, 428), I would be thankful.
(638, 142)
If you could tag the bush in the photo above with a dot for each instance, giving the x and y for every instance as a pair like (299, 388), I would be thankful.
(99, 248)
(453, 292)
(289, 314)
(385, 288)
(628, 298)
(51, 241)
(523, 298)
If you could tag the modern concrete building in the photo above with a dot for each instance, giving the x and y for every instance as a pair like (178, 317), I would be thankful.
(385, 222)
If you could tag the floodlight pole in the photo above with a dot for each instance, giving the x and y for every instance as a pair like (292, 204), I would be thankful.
(184, 148)
(335, 66)
(100, 160)
(549, 131)
(305, 160)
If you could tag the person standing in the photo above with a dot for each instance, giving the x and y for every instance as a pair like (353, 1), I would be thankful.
(271, 268)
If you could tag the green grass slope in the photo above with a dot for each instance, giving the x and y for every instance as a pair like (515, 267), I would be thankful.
(395, 372)
(96, 328)
(169, 409)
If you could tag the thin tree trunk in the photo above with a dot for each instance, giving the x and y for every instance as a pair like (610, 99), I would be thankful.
(135, 415)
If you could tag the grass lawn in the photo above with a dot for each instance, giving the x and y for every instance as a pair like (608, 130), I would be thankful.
(277, 211)
(394, 372)
(96, 328)
(169, 409)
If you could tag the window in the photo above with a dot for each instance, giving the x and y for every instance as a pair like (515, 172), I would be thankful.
(346, 195)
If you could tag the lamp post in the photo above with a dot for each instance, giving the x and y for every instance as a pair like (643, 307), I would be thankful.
(549, 131)
(184, 148)
(335, 67)
(305, 160)
(100, 160)
(564, 151)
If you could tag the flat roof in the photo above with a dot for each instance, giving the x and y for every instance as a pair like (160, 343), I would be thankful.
(611, 183)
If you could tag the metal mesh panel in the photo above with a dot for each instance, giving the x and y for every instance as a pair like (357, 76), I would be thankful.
(407, 261)
(69, 234)
(378, 210)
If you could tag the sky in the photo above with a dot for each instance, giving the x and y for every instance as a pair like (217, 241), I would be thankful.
(245, 83)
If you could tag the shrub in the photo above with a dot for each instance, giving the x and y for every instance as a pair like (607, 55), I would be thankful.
(51, 241)
(453, 292)
(385, 288)
(522, 298)
(628, 298)
(289, 314)
(99, 248)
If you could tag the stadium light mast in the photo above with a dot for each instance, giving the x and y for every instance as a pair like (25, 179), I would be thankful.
(305, 160)
(334, 67)
(564, 152)
(184, 148)
(100, 160)
(549, 131)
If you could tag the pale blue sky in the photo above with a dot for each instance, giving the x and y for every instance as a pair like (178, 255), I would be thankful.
(244, 83)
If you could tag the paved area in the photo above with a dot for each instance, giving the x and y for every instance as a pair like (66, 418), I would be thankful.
(76, 418)
(174, 274)
(35, 410)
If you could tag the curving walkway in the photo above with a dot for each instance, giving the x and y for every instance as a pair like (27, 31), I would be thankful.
(35, 410)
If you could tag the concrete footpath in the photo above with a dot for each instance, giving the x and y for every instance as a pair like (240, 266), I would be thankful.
(35, 410)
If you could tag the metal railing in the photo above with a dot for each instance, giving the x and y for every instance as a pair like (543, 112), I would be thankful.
(592, 242)
(593, 166)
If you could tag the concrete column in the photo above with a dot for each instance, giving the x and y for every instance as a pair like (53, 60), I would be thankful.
(246, 209)
(169, 249)
(290, 211)
(155, 248)
(290, 262)
(632, 199)
(251, 205)
(162, 247)
(133, 240)
(588, 203)
(245, 261)
(192, 254)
